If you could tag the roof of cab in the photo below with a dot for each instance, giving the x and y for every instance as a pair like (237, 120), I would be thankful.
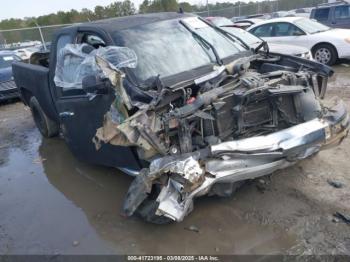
(120, 23)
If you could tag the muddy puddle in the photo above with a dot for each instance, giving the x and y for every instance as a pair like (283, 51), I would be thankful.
(53, 203)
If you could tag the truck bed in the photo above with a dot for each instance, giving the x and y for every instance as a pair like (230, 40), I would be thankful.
(33, 80)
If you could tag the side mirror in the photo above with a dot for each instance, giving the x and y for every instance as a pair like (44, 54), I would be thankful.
(298, 33)
(94, 85)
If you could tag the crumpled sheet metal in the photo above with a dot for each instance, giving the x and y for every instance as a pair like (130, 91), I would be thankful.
(142, 184)
(131, 132)
(73, 64)
(186, 166)
(116, 77)
(283, 140)
(118, 127)
(244, 159)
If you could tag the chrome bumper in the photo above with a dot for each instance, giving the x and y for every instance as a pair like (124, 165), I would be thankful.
(249, 158)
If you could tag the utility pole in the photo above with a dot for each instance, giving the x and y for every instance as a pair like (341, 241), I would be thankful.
(208, 7)
(41, 35)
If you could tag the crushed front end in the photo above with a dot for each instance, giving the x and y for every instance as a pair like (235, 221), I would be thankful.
(246, 119)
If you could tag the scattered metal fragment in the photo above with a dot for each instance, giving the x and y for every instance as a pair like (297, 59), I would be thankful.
(335, 184)
(342, 217)
(192, 228)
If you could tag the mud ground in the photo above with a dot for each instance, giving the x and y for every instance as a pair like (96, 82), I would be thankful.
(50, 203)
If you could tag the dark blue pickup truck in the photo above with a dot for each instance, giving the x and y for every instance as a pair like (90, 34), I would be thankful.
(8, 87)
(182, 105)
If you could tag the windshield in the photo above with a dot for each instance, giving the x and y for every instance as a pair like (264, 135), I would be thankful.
(167, 48)
(248, 38)
(6, 61)
(221, 21)
(311, 26)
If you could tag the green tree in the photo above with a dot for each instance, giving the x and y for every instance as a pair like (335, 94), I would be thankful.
(186, 7)
(159, 6)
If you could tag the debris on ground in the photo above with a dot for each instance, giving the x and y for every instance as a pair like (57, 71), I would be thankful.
(335, 184)
(39, 160)
(261, 188)
(344, 218)
(76, 243)
(262, 181)
(335, 220)
(192, 228)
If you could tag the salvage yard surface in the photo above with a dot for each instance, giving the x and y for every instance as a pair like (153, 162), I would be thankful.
(51, 203)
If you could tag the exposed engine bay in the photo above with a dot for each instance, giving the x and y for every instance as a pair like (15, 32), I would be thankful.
(247, 98)
(206, 135)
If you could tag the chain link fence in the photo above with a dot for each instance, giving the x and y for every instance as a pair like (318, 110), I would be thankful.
(242, 10)
(260, 7)
(40, 36)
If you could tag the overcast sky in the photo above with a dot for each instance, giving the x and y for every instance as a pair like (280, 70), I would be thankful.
(27, 8)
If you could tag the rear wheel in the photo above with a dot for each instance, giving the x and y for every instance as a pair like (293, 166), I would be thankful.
(325, 54)
(46, 126)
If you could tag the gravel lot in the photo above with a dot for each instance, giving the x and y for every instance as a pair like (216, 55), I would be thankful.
(53, 204)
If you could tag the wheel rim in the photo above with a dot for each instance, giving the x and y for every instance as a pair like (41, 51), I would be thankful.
(323, 55)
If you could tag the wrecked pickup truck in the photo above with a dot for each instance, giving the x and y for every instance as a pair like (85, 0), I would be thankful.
(185, 107)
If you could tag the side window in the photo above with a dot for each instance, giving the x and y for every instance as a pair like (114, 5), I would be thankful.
(62, 41)
(341, 12)
(322, 14)
(263, 31)
(71, 67)
(281, 29)
(286, 29)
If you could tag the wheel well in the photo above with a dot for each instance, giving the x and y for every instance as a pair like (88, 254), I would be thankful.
(26, 95)
(324, 43)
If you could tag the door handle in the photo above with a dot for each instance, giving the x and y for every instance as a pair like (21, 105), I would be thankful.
(66, 114)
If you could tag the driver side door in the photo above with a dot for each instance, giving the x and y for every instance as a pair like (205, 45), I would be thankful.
(288, 34)
(81, 115)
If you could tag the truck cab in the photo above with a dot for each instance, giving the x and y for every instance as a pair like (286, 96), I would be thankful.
(73, 111)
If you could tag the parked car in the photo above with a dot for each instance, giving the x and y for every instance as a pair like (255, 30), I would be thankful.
(181, 105)
(301, 12)
(336, 15)
(8, 88)
(253, 41)
(279, 14)
(245, 23)
(326, 44)
(220, 21)
(25, 53)
(237, 18)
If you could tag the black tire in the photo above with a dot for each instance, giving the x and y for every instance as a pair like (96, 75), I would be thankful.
(325, 54)
(46, 126)
(147, 210)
